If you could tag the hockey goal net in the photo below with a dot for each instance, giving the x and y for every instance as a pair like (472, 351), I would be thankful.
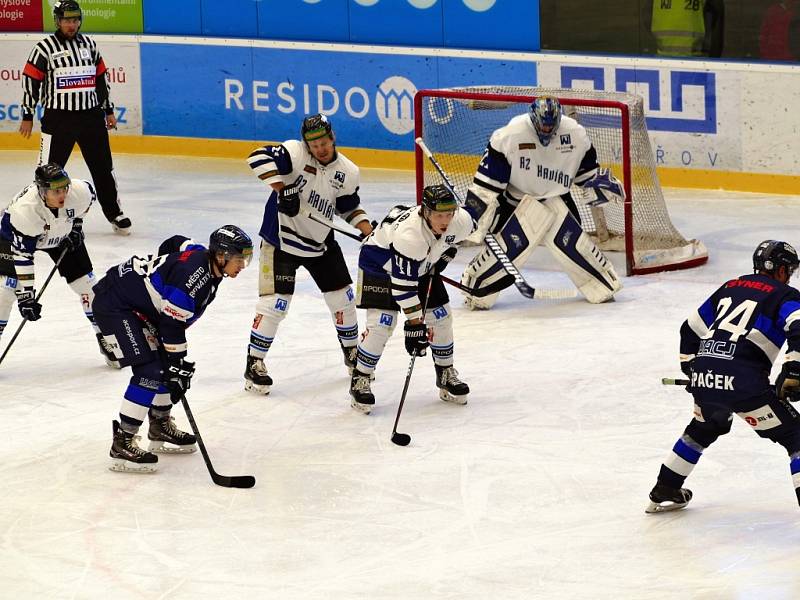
(456, 124)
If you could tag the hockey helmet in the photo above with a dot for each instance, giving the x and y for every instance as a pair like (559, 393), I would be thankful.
(66, 9)
(315, 127)
(438, 198)
(545, 114)
(231, 241)
(51, 176)
(772, 254)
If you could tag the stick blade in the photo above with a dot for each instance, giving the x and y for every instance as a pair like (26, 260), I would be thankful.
(235, 481)
(401, 439)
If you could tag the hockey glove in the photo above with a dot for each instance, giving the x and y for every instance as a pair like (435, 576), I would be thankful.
(374, 225)
(29, 308)
(447, 256)
(179, 377)
(74, 239)
(289, 200)
(788, 382)
(416, 338)
(606, 187)
(686, 364)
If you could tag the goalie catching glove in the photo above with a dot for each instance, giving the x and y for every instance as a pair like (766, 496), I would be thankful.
(606, 188)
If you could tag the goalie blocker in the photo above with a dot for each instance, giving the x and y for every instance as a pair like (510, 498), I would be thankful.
(548, 221)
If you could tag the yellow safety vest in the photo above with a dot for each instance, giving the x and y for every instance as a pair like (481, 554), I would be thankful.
(678, 27)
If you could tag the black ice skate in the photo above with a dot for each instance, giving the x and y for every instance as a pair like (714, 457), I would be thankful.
(108, 355)
(126, 455)
(350, 353)
(362, 398)
(256, 379)
(451, 388)
(165, 438)
(121, 224)
(664, 498)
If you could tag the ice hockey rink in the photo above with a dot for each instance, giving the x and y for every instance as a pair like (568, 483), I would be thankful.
(535, 489)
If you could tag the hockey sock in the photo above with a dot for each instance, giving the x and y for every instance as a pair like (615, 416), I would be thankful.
(83, 287)
(3, 327)
(270, 311)
(794, 466)
(680, 462)
(144, 384)
(380, 326)
(440, 322)
(342, 305)
(162, 404)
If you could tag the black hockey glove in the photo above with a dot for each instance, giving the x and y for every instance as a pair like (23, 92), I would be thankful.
(686, 365)
(289, 200)
(29, 308)
(447, 256)
(74, 239)
(416, 338)
(179, 377)
(788, 382)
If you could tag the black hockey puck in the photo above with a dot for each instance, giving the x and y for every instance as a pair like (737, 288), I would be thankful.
(401, 439)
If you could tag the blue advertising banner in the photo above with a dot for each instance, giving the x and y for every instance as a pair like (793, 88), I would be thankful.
(320, 21)
(231, 18)
(491, 24)
(400, 22)
(180, 17)
(262, 93)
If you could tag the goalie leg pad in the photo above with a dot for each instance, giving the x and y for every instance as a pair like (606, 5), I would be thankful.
(584, 263)
(270, 311)
(379, 328)
(519, 237)
(342, 305)
(440, 322)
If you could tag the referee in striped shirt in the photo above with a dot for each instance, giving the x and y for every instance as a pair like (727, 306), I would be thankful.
(67, 75)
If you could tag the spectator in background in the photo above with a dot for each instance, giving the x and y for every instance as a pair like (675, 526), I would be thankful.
(780, 21)
(691, 28)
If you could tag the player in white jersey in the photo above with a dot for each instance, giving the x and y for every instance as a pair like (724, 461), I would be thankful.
(310, 182)
(523, 180)
(46, 216)
(396, 265)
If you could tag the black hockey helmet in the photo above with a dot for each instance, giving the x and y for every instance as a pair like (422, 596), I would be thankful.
(232, 241)
(438, 198)
(545, 114)
(315, 127)
(66, 9)
(51, 176)
(771, 254)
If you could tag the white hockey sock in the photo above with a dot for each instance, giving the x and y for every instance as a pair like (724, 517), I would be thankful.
(380, 326)
(342, 305)
(83, 287)
(7, 299)
(440, 322)
(270, 311)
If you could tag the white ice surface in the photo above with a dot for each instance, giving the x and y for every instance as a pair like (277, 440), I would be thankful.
(535, 489)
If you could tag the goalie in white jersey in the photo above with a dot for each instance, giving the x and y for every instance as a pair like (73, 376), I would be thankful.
(396, 266)
(310, 182)
(524, 180)
(48, 216)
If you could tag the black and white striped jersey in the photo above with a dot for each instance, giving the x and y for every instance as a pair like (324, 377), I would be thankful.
(65, 74)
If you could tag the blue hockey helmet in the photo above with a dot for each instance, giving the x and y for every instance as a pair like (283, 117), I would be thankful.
(232, 242)
(772, 254)
(545, 114)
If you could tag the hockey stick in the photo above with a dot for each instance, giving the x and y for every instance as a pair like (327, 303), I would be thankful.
(670, 381)
(39, 295)
(235, 481)
(403, 439)
(349, 234)
(490, 241)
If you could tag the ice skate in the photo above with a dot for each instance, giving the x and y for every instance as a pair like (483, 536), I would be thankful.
(256, 379)
(350, 353)
(126, 456)
(664, 498)
(108, 356)
(165, 438)
(121, 224)
(451, 388)
(362, 398)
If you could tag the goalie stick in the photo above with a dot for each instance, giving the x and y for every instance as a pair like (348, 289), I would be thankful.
(490, 241)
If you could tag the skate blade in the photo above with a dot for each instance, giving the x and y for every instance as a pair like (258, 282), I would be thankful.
(161, 447)
(256, 389)
(655, 507)
(362, 408)
(121, 465)
(452, 398)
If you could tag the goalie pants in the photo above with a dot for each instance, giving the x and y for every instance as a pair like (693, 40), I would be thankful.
(770, 417)
(75, 268)
(375, 295)
(276, 285)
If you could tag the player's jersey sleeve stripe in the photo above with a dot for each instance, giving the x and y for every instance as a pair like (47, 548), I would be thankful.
(761, 341)
(770, 330)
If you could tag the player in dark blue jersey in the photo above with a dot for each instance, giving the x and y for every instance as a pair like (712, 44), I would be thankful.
(143, 307)
(727, 350)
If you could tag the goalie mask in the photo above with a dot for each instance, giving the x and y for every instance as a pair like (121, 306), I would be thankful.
(772, 254)
(545, 114)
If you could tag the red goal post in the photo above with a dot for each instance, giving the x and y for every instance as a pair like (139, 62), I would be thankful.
(456, 124)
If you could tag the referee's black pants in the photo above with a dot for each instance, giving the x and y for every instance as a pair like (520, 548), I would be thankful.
(62, 129)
